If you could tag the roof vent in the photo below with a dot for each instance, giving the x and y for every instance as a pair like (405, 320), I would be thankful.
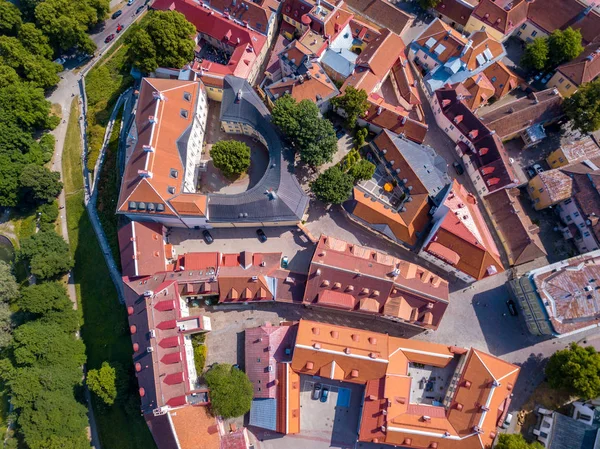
(144, 174)
(148, 148)
(347, 350)
(317, 346)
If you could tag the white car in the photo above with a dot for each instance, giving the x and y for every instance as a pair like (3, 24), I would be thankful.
(130, 2)
(507, 421)
(538, 168)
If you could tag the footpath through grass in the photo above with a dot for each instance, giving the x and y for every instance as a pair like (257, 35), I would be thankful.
(104, 329)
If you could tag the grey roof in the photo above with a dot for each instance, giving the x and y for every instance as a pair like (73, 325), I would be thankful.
(430, 167)
(263, 413)
(568, 433)
(340, 60)
(242, 105)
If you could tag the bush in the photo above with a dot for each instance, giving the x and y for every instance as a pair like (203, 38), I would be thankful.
(199, 358)
(231, 157)
(231, 391)
(102, 382)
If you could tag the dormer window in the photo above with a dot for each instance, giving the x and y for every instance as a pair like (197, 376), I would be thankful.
(174, 173)
(187, 96)
(183, 113)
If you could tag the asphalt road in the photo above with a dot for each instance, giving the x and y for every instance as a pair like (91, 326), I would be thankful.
(109, 26)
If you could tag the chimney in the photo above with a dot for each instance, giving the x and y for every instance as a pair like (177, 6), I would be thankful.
(144, 174)
(152, 120)
(148, 148)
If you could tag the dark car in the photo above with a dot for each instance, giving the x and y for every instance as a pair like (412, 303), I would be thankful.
(458, 167)
(207, 237)
(117, 14)
(109, 38)
(316, 394)
(325, 394)
(140, 9)
(261, 235)
(512, 307)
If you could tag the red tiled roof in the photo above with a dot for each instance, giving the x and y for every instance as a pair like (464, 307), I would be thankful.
(336, 299)
(382, 13)
(456, 11)
(503, 15)
(550, 15)
(142, 248)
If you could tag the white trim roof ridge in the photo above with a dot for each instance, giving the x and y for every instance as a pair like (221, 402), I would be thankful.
(355, 356)
(430, 434)
(434, 354)
(483, 363)
(508, 374)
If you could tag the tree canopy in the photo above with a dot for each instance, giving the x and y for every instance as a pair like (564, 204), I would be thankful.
(583, 107)
(39, 185)
(576, 370)
(564, 45)
(362, 170)
(427, 4)
(515, 441)
(312, 136)
(8, 285)
(165, 40)
(102, 382)
(535, 56)
(40, 299)
(232, 157)
(333, 186)
(47, 253)
(353, 102)
(231, 391)
(10, 18)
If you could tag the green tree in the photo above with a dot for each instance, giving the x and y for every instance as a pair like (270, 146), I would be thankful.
(102, 382)
(576, 370)
(54, 420)
(5, 325)
(47, 253)
(362, 170)
(312, 136)
(42, 298)
(515, 441)
(35, 41)
(231, 157)
(564, 45)
(42, 72)
(354, 104)
(231, 391)
(10, 18)
(536, 54)
(199, 358)
(8, 284)
(26, 106)
(8, 76)
(333, 186)
(165, 40)
(583, 107)
(428, 4)
(48, 213)
(9, 181)
(38, 184)
(361, 135)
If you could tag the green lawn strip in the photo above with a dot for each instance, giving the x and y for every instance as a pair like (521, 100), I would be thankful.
(108, 191)
(103, 85)
(105, 330)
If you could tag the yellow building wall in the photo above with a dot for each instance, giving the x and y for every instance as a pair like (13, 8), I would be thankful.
(557, 159)
(564, 85)
(214, 93)
(538, 193)
(475, 24)
(528, 32)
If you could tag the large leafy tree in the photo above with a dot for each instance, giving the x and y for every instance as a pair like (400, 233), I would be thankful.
(40, 299)
(353, 102)
(10, 18)
(564, 45)
(26, 106)
(39, 185)
(8, 285)
(42, 72)
(165, 40)
(536, 53)
(47, 253)
(102, 382)
(35, 41)
(362, 170)
(575, 369)
(333, 186)
(230, 390)
(231, 157)
(515, 441)
(312, 135)
(583, 107)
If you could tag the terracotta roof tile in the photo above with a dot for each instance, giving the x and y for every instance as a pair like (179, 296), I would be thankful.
(550, 15)
(479, 89)
(383, 14)
(503, 15)
(502, 78)
(195, 428)
(142, 248)
(586, 67)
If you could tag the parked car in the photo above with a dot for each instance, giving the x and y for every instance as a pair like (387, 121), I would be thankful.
(325, 394)
(60, 61)
(538, 168)
(207, 237)
(458, 167)
(119, 28)
(531, 172)
(130, 2)
(512, 307)
(261, 235)
(139, 10)
(316, 394)
(507, 421)
(109, 38)
(117, 14)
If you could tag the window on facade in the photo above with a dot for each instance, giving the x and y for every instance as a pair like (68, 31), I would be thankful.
(446, 129)
(534, 34)
(187, 96)
(561, 80)
(561, 159)
(523, 26)
(576, 214)
(586, 234)
(424, 56)
(568, 218)
(568, 201)
(494, 79)
(451, 126)
(541, 190)
(568, 86)
(439, 110)
(519, 33)
(582, 225)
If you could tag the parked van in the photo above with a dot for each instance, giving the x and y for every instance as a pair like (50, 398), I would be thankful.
(507, 421)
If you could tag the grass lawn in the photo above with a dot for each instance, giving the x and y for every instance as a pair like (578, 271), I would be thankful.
(108, 191)
(104, 330)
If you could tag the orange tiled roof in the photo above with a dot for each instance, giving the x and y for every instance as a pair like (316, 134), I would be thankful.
(195, 428)
(481, 41)
(586, 67)
(502, 78)
(479, 90)
(315, 86)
